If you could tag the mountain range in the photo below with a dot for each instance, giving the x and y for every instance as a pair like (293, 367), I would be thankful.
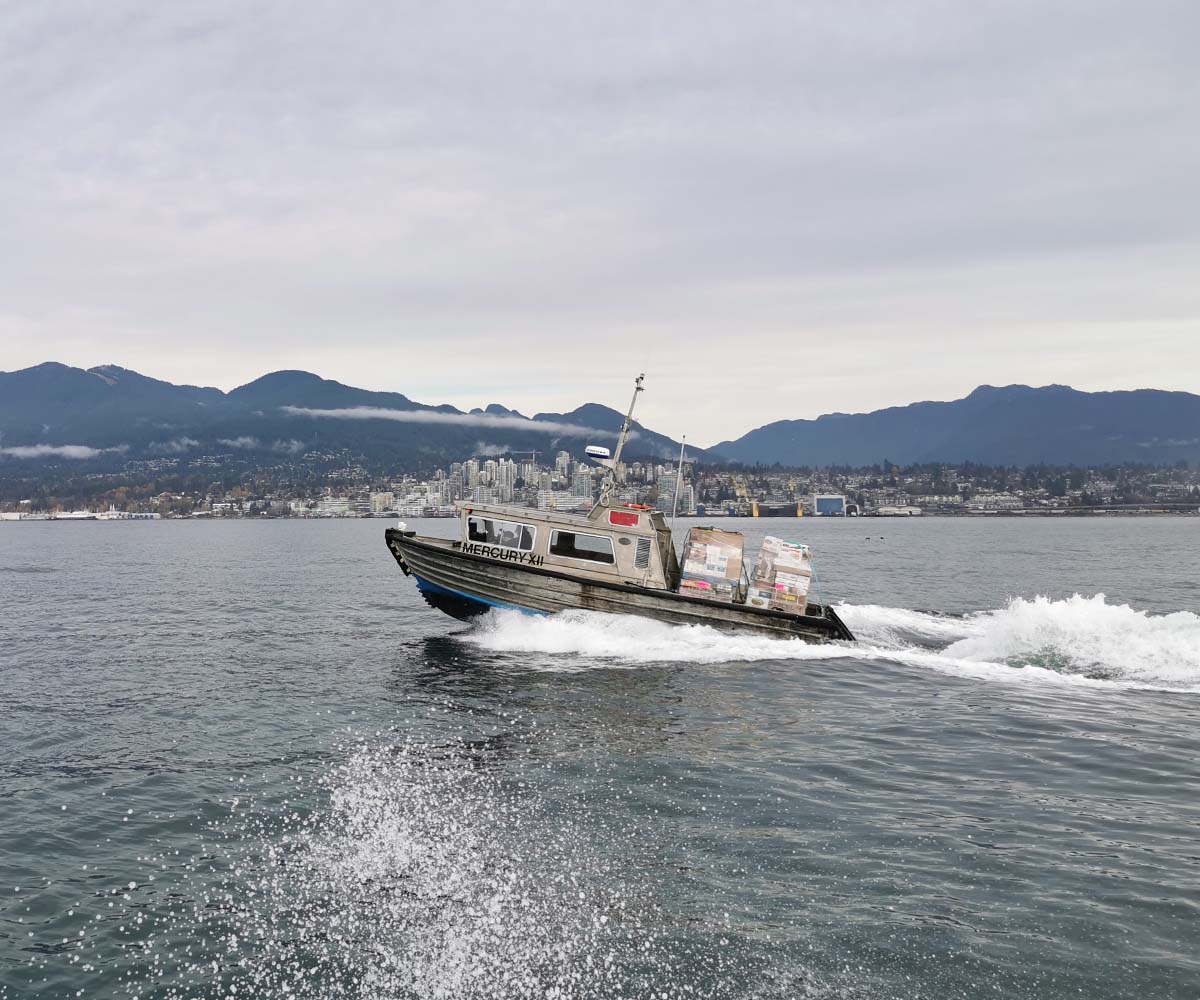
(54, 411)
(109, 414)
(1010, 425)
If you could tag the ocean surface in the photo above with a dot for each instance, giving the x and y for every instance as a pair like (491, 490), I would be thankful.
(243, 759)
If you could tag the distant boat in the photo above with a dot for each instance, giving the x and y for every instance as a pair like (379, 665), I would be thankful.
(619, 559)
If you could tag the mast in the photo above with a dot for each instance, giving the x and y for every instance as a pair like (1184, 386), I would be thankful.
(678, 481)
(610, 478)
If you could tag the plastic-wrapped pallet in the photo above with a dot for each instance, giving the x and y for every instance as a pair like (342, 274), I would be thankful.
(712, 564)
(781, 577)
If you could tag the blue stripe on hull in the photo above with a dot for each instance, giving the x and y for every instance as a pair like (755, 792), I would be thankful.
(429, 587)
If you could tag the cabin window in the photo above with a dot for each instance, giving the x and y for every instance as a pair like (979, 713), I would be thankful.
(506, 534)
(573, 545)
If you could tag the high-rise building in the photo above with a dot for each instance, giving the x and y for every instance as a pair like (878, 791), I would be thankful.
(562, 464)
(381, 503)
(506, 479)
(581, 483)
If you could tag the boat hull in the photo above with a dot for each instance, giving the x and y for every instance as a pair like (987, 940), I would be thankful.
(465, 585)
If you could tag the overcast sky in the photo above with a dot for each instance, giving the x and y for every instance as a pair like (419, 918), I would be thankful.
(775, 210)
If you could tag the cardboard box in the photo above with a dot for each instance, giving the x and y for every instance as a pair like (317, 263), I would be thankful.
(759, 597)
(712, 564)
(782, 575)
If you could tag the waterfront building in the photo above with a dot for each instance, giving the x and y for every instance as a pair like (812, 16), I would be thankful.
(381, 503)
(562, 500)
(328, 506)
(994, 501)
(829, 505)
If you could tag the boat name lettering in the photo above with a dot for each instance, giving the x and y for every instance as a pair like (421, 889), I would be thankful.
(508, 555)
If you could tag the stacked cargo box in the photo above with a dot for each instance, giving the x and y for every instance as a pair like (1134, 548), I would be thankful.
(781, 577)
(712, 564)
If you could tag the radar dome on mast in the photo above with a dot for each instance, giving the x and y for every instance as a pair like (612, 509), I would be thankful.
(597, 451)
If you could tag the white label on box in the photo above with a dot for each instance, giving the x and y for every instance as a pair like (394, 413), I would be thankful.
(793, 583)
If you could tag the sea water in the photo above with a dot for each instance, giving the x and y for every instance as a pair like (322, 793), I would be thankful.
(244, 759)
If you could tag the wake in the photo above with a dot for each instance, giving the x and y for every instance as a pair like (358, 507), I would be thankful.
(1082, 641)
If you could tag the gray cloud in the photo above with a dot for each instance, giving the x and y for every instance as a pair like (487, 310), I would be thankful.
(484, 450)
(495, 421)
(72, 451)
(244, 442)
(776, 210)
(289, 447)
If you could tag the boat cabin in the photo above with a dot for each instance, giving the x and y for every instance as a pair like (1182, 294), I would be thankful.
(628, 544)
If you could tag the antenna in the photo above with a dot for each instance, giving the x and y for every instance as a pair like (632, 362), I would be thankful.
(678, 482)
(611, 464)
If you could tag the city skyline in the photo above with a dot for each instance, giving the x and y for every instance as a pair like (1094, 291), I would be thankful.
(170, 487)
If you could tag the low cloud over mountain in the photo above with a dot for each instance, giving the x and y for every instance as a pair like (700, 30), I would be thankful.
(489, 420)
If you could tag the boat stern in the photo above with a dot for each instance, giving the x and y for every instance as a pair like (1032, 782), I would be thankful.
(839, 629)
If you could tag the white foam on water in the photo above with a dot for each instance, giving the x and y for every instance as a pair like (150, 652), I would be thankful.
(1083, 635)
(1080, 641)
(876, 623)
(593, 636)
(432, 876)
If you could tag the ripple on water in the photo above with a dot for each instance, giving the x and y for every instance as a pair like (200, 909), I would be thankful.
(998, 803)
